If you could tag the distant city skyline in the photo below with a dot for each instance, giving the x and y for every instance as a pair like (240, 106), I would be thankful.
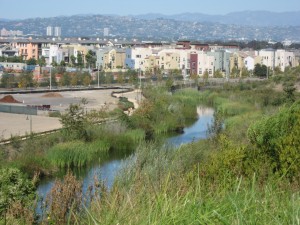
(16, 9)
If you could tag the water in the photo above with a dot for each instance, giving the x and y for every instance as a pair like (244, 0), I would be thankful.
(196, 131)
(107, 171)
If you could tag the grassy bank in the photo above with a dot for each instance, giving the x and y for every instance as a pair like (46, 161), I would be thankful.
(241, 175)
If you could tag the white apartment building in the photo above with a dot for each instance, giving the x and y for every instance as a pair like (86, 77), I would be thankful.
(135, 57)
(205, 63)
(276, 58)
(49, 31)
(53, 54)
(57, 31)
(249, 63)
(106, 32)
(284, 59)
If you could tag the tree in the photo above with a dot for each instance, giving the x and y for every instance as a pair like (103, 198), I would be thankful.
(91, 58)
(31, 61)
(218, 74)
(205, 76)
(8, 80)
(86, 80)
(25, 80)
(74, 121)
(80, 61)
(245, 72)
(73, 60)
(65, 80)
(195, 77)
(235, 72)
(74, 80)
(289, 90)
(131, 76)
(41, 61)
(260, 70)
(120, 78)
(62, 63)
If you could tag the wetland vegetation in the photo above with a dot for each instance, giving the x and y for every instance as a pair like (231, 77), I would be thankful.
(247, 171)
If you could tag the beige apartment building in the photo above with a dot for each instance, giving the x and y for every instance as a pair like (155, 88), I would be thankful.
(169, 60)
(114, 59)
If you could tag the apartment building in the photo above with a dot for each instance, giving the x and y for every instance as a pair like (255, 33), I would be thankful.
(114, 59)
(151, 64)
(284, 59)
(221, 61)
(27, 48)
(169, 60)
(135, 57)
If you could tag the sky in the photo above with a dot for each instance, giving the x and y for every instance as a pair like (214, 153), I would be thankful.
(21, 9)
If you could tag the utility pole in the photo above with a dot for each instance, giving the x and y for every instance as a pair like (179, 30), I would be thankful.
(50, 78)
(98, 74)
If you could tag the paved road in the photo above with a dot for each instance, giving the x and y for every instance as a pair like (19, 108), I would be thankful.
(19, 125)
(16, 124)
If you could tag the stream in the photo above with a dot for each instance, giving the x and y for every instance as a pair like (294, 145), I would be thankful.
(107, 170)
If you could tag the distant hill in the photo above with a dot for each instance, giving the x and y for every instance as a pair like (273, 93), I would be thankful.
(250, 18)
(193, 26)
(4, 20)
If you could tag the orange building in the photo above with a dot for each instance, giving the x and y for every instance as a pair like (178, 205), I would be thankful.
(27, 49)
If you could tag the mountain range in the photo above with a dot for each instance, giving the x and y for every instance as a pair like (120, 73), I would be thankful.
(248, 25)
(249, 18)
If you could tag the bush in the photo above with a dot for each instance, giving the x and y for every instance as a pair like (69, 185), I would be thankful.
(277, 137)
(17, 196)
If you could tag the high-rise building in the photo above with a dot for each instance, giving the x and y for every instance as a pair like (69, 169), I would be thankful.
(105, 31)
(49, 31)
(57, 31)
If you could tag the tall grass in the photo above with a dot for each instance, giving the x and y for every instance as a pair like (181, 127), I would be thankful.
(158, 194)
(79, 153)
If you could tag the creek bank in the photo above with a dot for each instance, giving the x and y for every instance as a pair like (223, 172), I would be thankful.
(107, 170)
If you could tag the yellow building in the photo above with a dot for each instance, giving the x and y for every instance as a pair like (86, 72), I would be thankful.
(151, 64)
(169, 60)
(114, 59)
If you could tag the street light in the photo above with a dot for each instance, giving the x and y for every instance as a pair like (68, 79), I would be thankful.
(98, 74)
(50, 79)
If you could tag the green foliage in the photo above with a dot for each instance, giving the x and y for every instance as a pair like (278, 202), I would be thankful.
(76, 153)
(74, 121)
(289, 90)
(31, 61)
(15, 189)
(8, 80)
(54, 114)
(260, 70)
(276, 137)
(91, 58)
(80, 60)
(124, 104)
(218, 74)
(162, 113)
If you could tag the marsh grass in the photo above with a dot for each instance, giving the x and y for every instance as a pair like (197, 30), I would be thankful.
(158, 194)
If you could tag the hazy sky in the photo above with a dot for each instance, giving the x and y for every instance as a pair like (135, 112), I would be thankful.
(20, 9)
